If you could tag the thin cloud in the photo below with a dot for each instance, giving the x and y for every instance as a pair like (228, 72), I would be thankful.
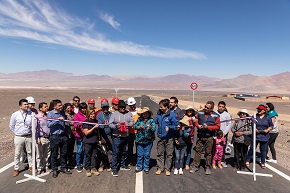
(37, 20)
(110, 20)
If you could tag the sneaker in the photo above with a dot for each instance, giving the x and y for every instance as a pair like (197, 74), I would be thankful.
(187, 167)
(66, 171)
(213, 166)
(95, 172)
(269, 160)
(101, 169)
(79, 169)
(220, 166)
(126, 168)
(146, 171)
(158, 172)
(180, 171)
(39, 172)
(207, 171)
(109, 169)
(167, 173)
(175, 171)
(88, 173)
(115, 173)
(274, 161)
(224, 164)
(194, 169)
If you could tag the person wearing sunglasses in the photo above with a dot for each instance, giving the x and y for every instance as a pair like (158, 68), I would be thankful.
(76, 103)
(208, 123)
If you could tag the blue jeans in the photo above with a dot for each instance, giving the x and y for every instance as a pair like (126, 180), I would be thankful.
(80, 156)
(119, 150)
(143, 153)
(188, 153)
(179, 156)
(263, 150)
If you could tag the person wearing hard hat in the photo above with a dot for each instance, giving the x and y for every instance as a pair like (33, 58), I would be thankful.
(115, 102)
(91, 104)
(120, 122)
(132, 159)
(31, 104)
(98, 111)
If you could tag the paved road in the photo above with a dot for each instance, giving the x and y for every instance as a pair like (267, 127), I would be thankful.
(221, 180)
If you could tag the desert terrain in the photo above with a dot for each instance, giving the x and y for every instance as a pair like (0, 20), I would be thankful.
(10, 97)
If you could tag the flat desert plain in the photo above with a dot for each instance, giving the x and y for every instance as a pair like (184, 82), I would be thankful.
(10, 97)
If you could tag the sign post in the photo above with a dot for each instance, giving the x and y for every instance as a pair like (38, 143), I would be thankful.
(193, 87)
(116, 90)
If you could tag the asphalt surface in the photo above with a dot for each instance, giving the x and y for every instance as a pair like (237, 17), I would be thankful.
(222, 180)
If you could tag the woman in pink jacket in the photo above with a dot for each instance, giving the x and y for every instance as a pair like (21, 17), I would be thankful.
(79, 134)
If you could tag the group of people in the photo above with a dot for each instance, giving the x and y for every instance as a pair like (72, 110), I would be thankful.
(105, 137)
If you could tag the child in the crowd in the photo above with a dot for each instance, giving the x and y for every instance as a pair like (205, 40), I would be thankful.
(219, 143)
(182, 138)
(145, 126)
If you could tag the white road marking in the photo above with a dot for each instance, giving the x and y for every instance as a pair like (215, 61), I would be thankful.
(139, 175)
(273, 169)
(6, 167)
(139, 182)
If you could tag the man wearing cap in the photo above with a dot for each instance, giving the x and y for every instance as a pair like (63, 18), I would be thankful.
(91, 104)
(105, 132)
(225, 126)
(132, 159)
(208, 122)
(120, 123)
(21, 126)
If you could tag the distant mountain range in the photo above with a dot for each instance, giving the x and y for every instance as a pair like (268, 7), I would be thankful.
(276, 84)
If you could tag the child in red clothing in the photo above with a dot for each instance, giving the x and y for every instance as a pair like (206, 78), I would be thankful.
(219, 143)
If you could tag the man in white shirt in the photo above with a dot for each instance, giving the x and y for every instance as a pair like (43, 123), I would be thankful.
(225, 126)
(21, 126)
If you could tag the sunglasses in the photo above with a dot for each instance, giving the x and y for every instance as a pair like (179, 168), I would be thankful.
(76, 100)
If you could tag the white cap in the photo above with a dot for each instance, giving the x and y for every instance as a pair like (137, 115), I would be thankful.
(131, 101)
(30, 99)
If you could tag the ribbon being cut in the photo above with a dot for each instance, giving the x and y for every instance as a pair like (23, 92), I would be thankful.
(244, 118)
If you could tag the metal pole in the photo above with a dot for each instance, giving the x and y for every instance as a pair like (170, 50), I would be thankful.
(33, 143)
(254, 148)
(193, 98)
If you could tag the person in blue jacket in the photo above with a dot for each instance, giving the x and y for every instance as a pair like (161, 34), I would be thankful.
(167, 123)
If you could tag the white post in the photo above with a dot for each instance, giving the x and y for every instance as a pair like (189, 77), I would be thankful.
(193, 98)
(254, 156)
(254, 147)
(33, 177)
(116, 90)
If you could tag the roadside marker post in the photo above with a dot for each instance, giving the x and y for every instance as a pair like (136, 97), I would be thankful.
(193, 87)
(116, 90)
(33, 176)
(254, 157)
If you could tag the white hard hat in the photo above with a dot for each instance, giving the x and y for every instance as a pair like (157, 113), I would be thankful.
(131, 101)
(30, 99)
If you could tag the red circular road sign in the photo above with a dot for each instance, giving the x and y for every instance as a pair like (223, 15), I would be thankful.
(193, 86)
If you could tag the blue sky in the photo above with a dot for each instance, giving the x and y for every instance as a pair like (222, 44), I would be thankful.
(224, 38)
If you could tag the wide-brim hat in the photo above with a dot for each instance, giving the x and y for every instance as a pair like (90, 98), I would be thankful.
(189, 108)
(185, 120)
(143, 110)
(122, 103)
(243, 111)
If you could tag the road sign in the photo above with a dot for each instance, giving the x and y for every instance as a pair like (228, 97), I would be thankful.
(193, 86)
